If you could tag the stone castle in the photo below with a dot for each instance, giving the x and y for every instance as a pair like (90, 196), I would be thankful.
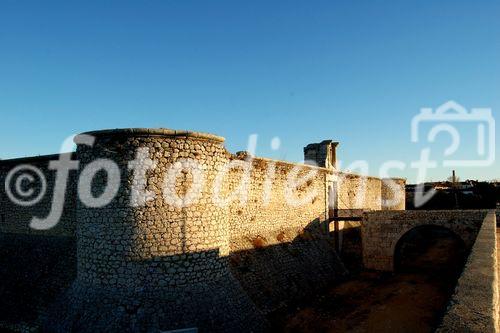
(158, 266)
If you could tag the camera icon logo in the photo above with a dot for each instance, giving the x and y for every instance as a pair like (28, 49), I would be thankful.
(444, 117)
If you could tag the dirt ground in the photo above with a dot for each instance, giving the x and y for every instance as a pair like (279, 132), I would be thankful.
(412, 300)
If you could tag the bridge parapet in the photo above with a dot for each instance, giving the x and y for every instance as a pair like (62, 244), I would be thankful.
(474, 307)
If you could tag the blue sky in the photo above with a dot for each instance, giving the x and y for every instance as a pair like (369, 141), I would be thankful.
(303, 71)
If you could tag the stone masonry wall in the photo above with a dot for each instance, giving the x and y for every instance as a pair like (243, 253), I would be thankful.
(16, 218)
(279, 247)
(277, 218)
(359, 192)
(145, 241)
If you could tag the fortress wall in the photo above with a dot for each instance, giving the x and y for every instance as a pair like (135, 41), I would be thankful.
(279, 248)
(15, 218)
(359, 192)
(203, 254)
(278, 215)
(270, 219)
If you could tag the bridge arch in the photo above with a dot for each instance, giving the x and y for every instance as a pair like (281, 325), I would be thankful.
(427, 234)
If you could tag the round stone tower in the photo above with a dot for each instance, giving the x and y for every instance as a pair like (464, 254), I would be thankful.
(153, 256)
(156, 241)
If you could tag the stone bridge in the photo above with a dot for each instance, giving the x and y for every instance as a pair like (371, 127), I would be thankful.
(382, 230)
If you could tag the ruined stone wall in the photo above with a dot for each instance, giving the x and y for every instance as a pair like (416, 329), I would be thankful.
(15, 218)
(322, 154)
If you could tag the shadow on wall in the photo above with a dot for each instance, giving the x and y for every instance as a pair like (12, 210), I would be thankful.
(34, 276)
(34, 270)
(278, 274)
